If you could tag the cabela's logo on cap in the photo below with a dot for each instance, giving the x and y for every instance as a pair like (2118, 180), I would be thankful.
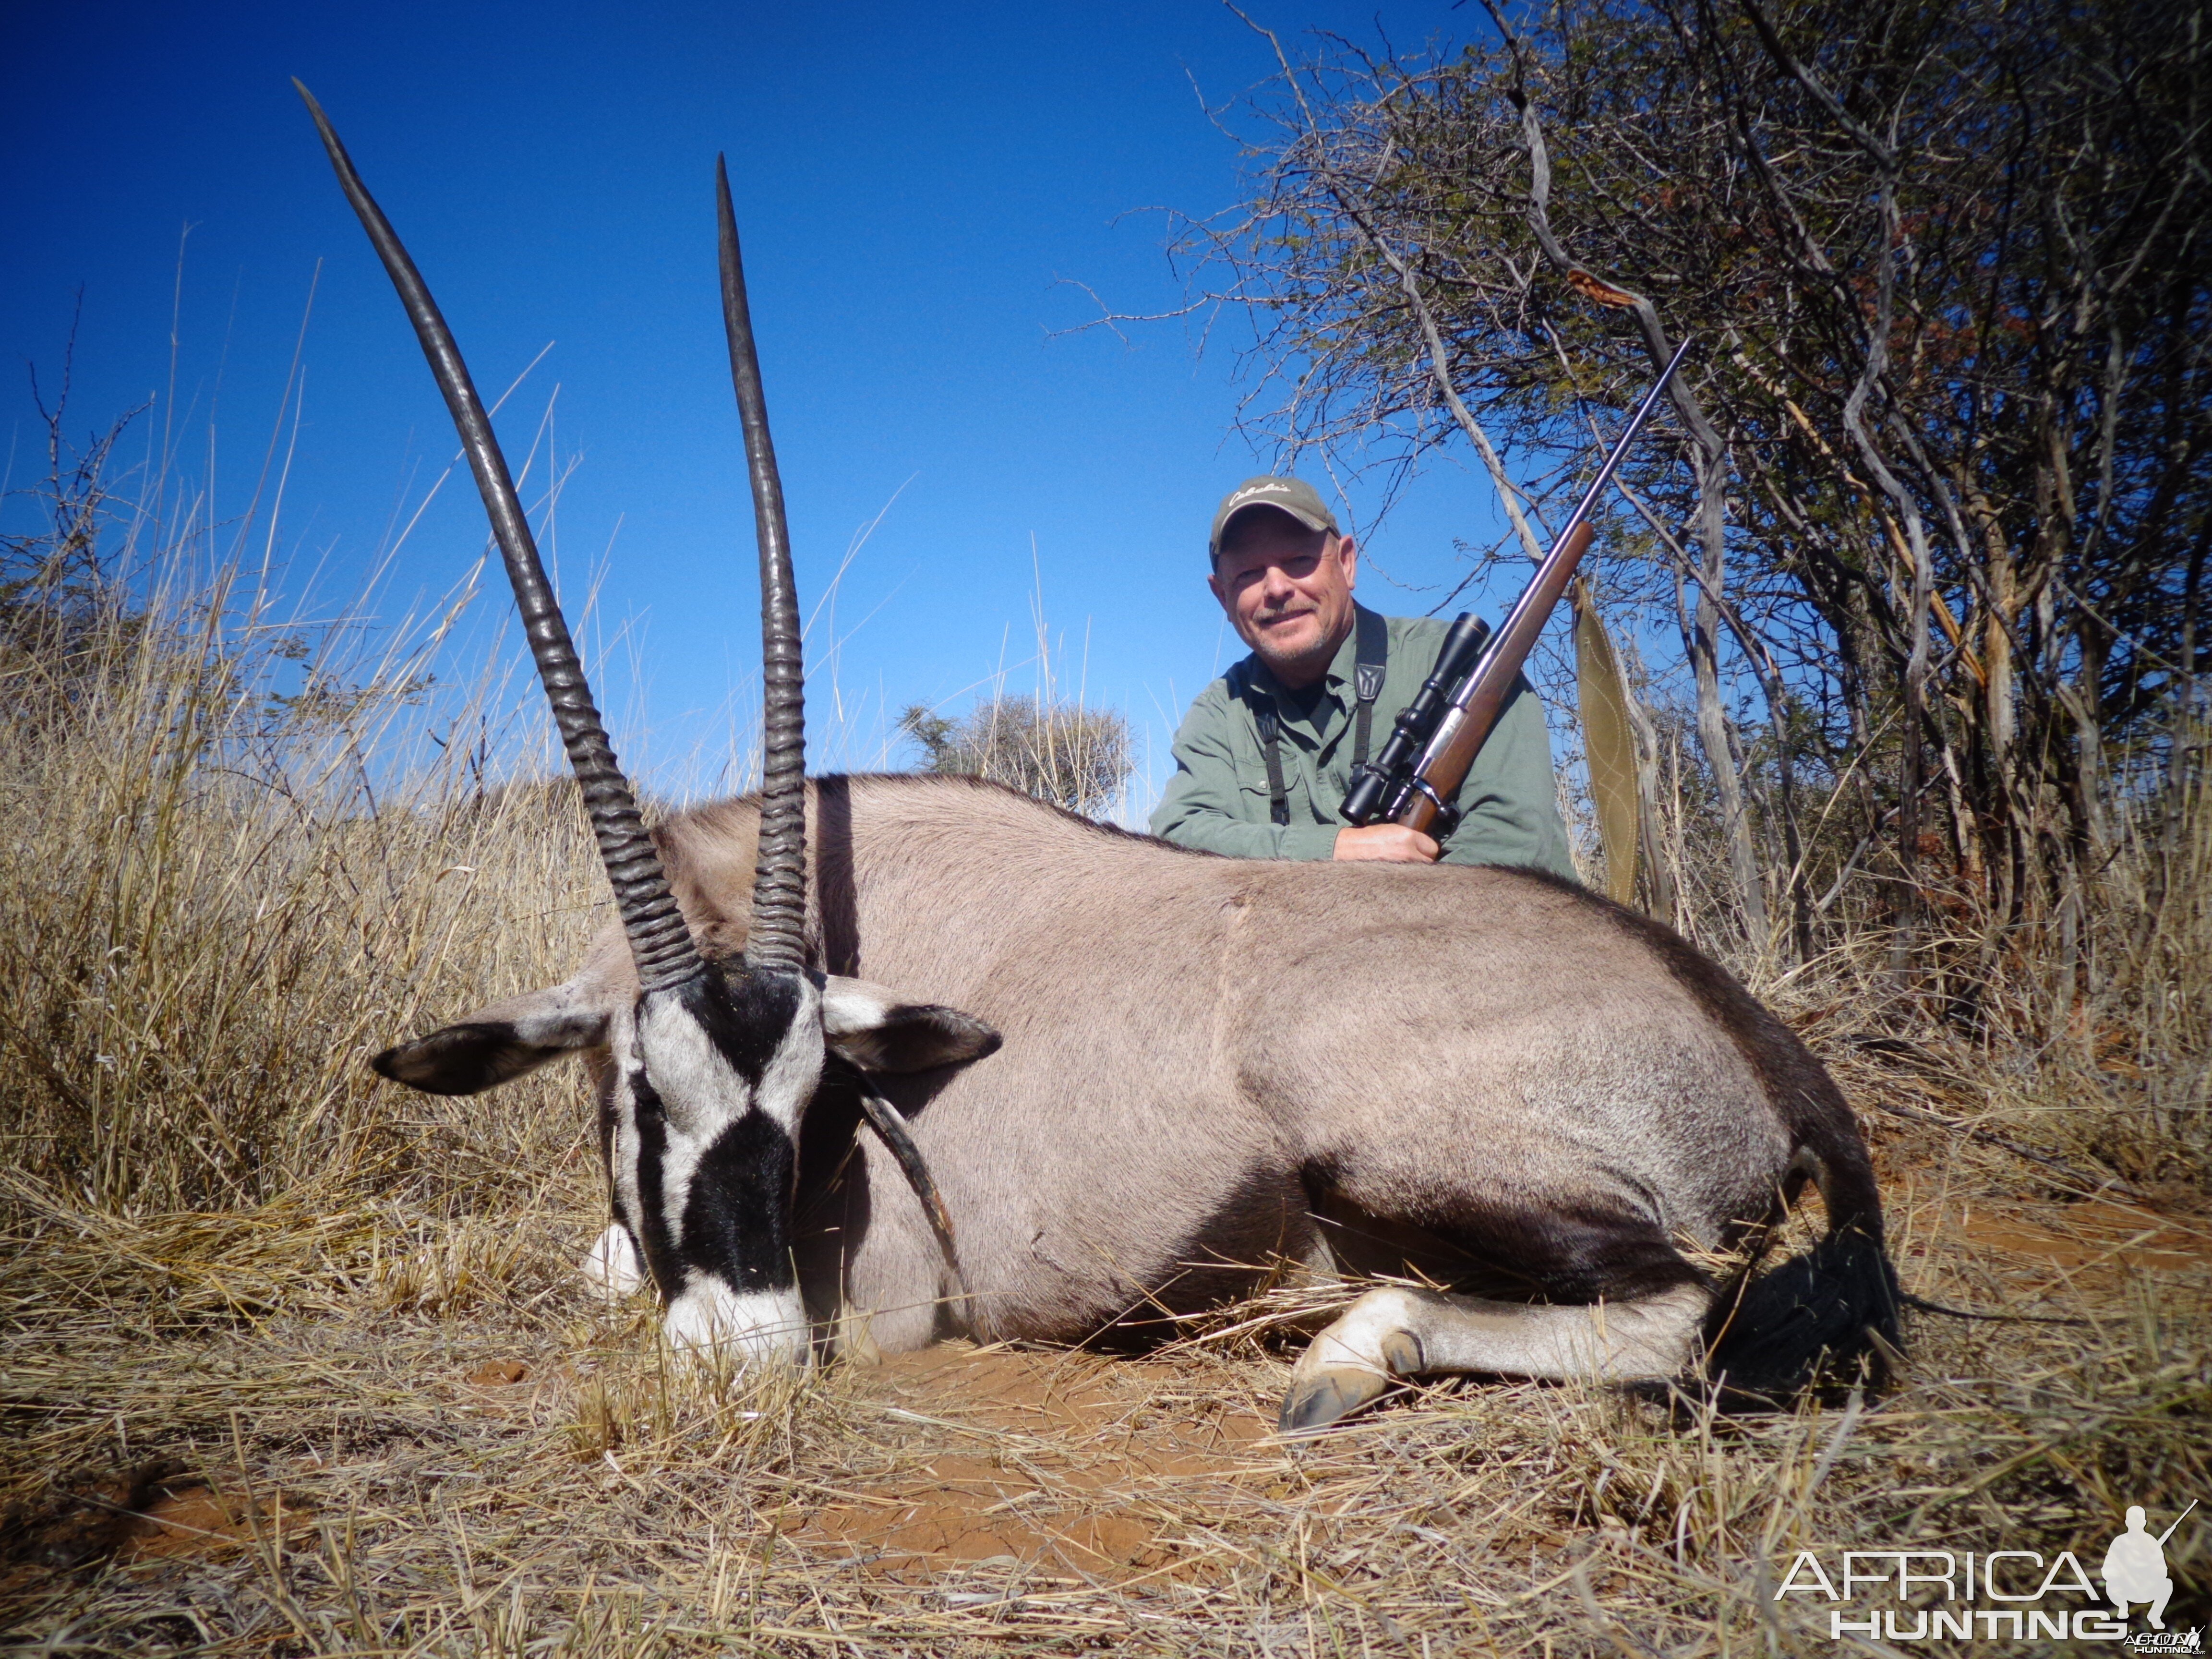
(1292, 495)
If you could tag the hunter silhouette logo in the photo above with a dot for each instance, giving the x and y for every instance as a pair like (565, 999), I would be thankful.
(2004, 1595)
(2135, 1566)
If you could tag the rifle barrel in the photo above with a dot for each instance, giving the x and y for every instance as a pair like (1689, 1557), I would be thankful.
(2175, 1527)
(1466, 725)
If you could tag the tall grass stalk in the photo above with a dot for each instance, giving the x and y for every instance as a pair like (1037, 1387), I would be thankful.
(232, 1261)
(229, 876)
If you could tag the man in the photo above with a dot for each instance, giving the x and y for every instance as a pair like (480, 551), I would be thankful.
(2135, 1570)
(1283, 575)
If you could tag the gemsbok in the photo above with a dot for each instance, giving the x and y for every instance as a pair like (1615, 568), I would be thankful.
(1139, 1075)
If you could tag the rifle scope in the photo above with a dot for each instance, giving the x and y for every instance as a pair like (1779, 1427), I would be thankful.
(1363, 803)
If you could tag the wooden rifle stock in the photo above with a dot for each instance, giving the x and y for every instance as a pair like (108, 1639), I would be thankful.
(1466, 725)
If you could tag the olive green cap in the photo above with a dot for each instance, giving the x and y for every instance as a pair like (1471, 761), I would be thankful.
(1292, 495)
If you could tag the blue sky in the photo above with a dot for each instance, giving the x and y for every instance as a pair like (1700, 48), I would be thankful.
(919, 189)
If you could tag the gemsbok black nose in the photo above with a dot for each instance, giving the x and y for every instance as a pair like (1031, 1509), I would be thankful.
(716, 1065)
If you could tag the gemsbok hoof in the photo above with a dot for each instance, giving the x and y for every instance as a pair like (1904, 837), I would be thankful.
(1338, 1374)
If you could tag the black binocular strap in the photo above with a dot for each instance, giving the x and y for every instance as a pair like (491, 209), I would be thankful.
(1271, 746)
(1369, 647)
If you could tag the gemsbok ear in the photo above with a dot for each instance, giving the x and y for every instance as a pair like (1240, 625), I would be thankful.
(497, 1044)
(877, 1030)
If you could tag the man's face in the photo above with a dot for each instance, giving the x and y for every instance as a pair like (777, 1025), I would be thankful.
(1287, 589)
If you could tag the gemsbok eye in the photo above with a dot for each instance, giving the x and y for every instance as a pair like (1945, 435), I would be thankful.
(1562, 1131)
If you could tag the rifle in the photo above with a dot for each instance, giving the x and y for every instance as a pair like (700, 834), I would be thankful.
(2175, 1527)
(1416, 776)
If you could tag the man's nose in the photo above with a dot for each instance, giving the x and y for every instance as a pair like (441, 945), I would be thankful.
(1277, 585)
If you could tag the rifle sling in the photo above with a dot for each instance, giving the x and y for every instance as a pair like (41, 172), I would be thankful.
(1371, 648)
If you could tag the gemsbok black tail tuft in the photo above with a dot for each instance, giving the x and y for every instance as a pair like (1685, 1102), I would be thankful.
(1826, 1319)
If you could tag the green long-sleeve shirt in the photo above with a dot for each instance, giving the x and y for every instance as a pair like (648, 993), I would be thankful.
(1218, 799)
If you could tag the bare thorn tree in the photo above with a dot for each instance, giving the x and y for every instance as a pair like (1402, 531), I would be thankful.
(1073, 755)
(1934, 525)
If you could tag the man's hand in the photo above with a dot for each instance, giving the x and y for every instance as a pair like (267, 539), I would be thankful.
(1391, 842)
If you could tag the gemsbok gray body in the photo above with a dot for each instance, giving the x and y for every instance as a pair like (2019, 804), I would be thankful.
(1486, 1078)
(1140, 1077)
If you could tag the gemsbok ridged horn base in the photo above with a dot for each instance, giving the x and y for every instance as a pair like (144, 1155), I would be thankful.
(714, 1066)
(1486, 1080)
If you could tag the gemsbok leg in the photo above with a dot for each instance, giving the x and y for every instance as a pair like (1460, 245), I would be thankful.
(1404, 1332)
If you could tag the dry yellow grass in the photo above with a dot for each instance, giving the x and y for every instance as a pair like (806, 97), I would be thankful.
(328, 1335)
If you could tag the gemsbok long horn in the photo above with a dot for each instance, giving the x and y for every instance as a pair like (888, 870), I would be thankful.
(660, 942)
(775, 941)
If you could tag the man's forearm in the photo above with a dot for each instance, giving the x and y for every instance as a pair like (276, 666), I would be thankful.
(1213, 831)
